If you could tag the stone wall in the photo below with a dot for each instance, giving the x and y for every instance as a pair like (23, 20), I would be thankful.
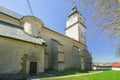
(15, 56)
(57, 55)
(87, 59)
(106, 68)
(68, 43)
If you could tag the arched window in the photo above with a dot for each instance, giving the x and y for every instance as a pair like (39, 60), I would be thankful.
(32, 28)
(32, 25)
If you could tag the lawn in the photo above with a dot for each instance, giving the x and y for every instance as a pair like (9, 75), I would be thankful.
(70, 72)
(106, 75)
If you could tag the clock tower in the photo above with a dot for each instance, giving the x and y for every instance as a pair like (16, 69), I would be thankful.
(75, 26)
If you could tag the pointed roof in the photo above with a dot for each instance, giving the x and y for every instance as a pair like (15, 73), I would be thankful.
(74, 10)
(74, 7)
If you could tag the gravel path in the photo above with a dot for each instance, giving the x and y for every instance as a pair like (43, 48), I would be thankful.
(68, 75)
(78, 75)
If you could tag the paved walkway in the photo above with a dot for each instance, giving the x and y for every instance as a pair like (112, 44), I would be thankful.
(69, 75)
(33, 79)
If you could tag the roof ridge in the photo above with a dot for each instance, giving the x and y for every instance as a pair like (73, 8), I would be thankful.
(10, 13)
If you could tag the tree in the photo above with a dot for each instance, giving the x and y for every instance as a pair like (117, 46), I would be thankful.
(108, 14)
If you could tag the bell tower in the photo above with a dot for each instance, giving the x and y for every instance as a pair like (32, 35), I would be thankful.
(75, 26)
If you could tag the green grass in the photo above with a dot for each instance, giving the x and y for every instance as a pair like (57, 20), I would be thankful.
(106, 75)
(69, 72)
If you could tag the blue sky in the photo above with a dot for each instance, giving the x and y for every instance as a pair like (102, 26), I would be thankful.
(54, 14)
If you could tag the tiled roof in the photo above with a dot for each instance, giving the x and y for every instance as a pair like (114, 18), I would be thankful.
(115, 65)
(10, 13)
(16, 32)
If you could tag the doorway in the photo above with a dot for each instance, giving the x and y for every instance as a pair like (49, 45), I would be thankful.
(33, 68)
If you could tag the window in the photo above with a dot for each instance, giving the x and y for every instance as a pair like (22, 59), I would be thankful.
(32, 28)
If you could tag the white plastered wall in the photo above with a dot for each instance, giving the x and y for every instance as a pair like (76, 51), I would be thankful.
(12, 52)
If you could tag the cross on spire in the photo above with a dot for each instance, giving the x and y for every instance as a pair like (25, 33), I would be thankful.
(74, 7)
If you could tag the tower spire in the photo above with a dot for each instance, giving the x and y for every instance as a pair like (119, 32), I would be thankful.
(75, 25)
(74, 10)
(74, 6)
(73, 3)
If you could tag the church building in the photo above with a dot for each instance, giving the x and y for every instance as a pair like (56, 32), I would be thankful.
(27, 46)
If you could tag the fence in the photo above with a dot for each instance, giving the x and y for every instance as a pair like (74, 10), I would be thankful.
(105, 68)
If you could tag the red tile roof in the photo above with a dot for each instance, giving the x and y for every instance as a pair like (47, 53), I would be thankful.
(115, 64)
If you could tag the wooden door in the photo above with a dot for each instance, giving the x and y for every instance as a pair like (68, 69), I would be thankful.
(33, 68)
